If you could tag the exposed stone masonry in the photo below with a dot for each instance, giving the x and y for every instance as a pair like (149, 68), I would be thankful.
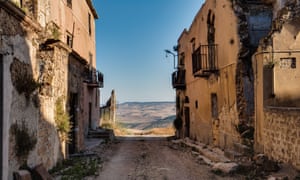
(282, 135)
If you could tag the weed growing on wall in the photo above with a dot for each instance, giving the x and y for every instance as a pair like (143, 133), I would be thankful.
(77, 168)
(25, 141)
(22, 78)
(62, 120)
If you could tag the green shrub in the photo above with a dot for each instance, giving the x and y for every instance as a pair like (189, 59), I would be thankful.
(62, 120)
(178, 123)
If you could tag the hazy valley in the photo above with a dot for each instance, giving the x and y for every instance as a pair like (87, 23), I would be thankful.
(146, 115)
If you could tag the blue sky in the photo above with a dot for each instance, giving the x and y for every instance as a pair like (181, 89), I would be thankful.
(131, 36)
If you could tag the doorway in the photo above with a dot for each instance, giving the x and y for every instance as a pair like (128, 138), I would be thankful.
(73, 104)
(187, 121)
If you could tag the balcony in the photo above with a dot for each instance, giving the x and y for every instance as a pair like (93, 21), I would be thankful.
(94, 79)
(205, 60)
(178, 79)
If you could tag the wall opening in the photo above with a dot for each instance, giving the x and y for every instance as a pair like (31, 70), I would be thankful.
(72, 112)
(214, 106)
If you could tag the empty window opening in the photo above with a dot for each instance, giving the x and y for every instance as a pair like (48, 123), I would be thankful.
(90, 25)
(69, 39)
(288, 63)
(210, 28)
(69, 3)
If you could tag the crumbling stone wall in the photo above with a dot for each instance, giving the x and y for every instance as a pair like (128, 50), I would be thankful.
(277, 112)
(52, 67)
(108, 112)
(282, 135)
(77, 72)
(250, 15)
(33, 78)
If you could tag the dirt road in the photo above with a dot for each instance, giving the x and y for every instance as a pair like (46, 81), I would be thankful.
(148, 158)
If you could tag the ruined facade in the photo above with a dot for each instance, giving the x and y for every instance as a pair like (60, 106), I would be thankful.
(108, 111)
(216, 99)
(47, 51)
(220, 99)
(277, 107)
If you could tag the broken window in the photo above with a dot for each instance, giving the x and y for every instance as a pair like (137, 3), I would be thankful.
(210, 28)
(288, 63)
(69, 39)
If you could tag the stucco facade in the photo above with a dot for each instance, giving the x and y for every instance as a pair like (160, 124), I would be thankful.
(237, 77)
(47, 51)
(277, 88)
(217, 48)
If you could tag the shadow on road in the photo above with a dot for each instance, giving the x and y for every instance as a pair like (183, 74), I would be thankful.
(144, 138)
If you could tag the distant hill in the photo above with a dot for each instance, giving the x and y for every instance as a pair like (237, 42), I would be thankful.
(146, 115)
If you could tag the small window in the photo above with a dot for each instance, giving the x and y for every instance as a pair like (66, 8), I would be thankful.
(288, 63)
(69, 3)
(90, 25)
(69, 40)
(196, 104)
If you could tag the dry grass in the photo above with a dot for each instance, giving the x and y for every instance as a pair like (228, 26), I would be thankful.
(120, 130)
(163, 131)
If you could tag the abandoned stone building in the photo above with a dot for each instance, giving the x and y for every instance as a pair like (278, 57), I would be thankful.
(236, 78)
(49, 82)
(108, 111)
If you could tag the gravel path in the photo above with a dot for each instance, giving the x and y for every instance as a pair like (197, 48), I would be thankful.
(148, 158)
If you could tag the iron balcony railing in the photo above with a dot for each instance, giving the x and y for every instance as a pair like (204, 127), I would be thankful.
(178, 79)
(94, 79)
(205, 60)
